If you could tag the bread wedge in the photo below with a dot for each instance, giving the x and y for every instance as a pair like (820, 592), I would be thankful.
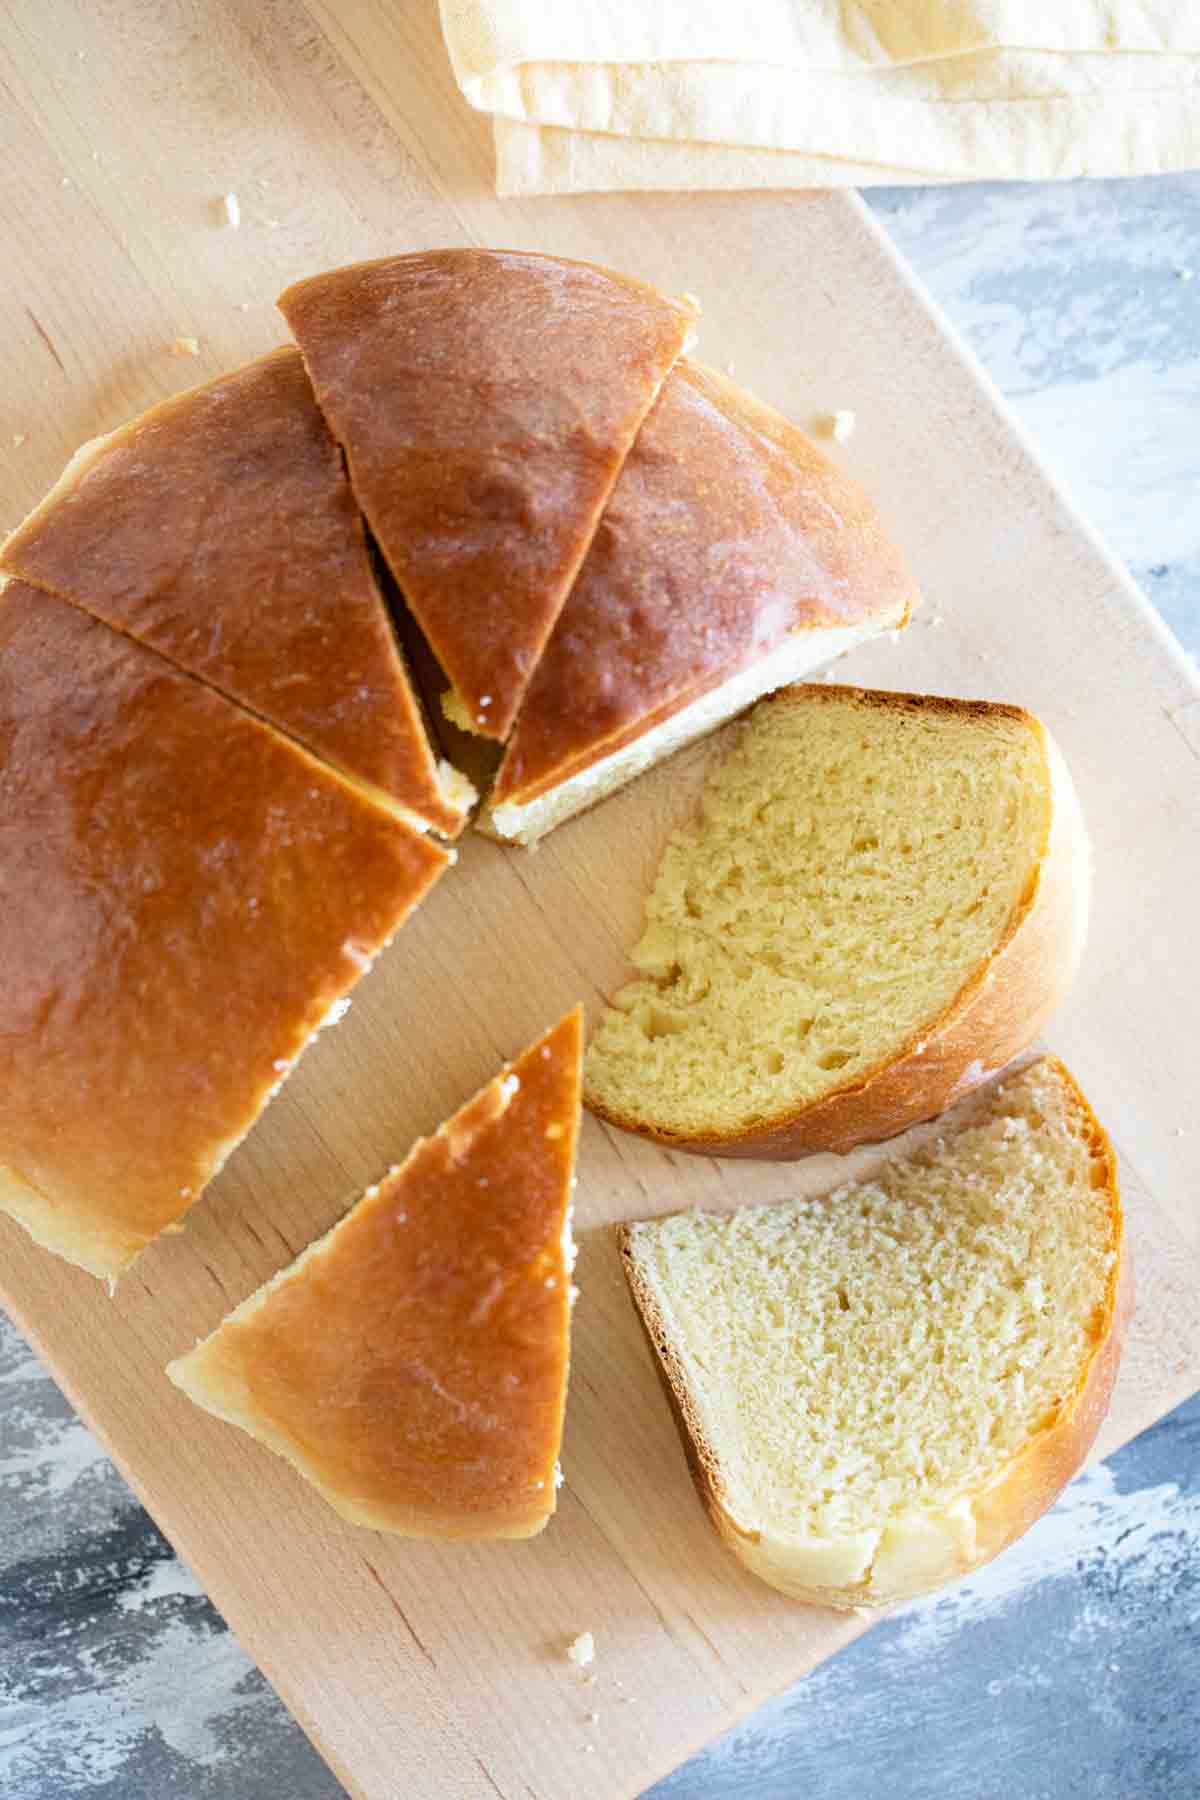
(187, 898)
(880, 1390)
(880, 901)
(486, 400)
(412, 1364)
(219, 529)
(732, 558)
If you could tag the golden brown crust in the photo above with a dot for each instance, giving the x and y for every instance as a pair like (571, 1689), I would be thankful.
(486, 400)
(984, 1521)
(1034, 1481)
(703, 1462)
(727, 532)
(219, 529)
(413, 1365)
(185, 896)
(997, 1013)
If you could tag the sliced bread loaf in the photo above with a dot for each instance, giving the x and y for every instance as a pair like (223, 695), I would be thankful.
(188, 898)
(219, 529)
(732, 558)
(880, 1390)
(486, 400)
(880, 900)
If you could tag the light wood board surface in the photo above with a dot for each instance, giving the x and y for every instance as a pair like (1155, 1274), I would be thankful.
(426, 1670)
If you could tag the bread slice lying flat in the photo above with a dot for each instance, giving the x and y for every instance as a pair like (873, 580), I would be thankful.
(880, 1390)
(219, 529)
(881, 899)
(412, 1364)
(732, 558)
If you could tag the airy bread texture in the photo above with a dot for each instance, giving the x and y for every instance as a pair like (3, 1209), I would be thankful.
(880, 901)
(732, 558)
(412, 1364)
(880, 1390)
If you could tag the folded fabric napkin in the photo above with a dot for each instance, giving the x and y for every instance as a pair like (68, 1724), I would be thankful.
(603, 94)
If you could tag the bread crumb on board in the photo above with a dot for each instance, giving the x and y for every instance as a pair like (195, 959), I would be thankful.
(185, 346)
(582, 1650)
(231, 211)
(840, 424)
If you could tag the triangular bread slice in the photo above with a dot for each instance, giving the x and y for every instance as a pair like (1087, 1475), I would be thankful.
(412, 1364)
(187, 899)
(733, 558)
(486, 400)
(881, 1389)
(880, 900)
(219, 529)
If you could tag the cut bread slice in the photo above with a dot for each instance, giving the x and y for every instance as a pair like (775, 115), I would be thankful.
(412, 1364)
(880, 901)
(486, 400)
(219, 529)
(732, 558)
(187, 899)
(880, 1390)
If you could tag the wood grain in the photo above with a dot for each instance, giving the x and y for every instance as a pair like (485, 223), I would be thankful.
(439, 1670)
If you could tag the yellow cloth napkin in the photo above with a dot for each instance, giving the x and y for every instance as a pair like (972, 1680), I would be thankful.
(600, 94)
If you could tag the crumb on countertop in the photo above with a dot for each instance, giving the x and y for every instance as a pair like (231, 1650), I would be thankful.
(18, 438)
(231, 210)
(839, 424)
(185, 346)
(582, 1650)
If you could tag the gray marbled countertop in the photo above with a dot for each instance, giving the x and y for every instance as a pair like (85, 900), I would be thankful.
(1071, 1666)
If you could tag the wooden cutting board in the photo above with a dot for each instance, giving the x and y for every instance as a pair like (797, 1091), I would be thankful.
(422, 1670)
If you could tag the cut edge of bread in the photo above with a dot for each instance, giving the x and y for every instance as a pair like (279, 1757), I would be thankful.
(996, 1013)
(921, 1551)
(691, 716)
